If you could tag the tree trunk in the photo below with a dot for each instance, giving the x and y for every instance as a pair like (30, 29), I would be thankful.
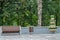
(39, 11)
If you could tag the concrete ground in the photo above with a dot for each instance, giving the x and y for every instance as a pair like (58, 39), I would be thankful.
(32, 37)
(38, 34)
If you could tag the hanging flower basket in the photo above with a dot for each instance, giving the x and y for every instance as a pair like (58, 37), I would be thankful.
(52, 27)
(53, 30)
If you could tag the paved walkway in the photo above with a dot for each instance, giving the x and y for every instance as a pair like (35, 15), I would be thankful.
(32, 37)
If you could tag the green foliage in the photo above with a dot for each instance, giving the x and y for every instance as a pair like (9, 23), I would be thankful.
(19, 12)
(50, 7)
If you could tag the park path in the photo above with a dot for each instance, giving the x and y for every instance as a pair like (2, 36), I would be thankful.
(32, 37)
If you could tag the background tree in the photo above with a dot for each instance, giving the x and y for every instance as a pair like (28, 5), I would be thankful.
(50, 7)
(19, 12)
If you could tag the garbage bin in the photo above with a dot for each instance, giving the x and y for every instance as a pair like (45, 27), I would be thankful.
(30, 29)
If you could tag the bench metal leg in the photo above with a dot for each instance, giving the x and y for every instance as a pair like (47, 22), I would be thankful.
(20, 30)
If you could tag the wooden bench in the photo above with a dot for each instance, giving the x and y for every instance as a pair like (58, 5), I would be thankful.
(10, 29)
